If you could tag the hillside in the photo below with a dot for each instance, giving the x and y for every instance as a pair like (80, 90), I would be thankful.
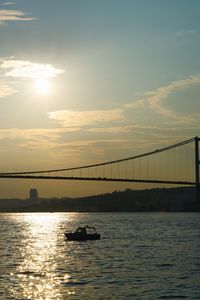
(172, 199)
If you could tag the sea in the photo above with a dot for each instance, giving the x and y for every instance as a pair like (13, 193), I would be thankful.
(139, 256)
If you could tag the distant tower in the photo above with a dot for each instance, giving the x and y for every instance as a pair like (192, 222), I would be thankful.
(33, 195)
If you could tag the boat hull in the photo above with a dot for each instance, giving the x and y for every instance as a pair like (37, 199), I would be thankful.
(81, 237)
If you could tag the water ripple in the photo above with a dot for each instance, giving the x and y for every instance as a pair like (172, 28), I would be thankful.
(140, 256)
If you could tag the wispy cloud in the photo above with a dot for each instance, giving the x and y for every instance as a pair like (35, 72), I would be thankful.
(33, 133)
(134, 105)
(28, 69)
(86, 143)
(51, 141)
(155, 98)
(107, 128)
(7, 15)
(117, 129)
(8, 3)
(143, 115)
(187, 33)
(6, 89)
(93, 148)
(68, 118)
(122, 129)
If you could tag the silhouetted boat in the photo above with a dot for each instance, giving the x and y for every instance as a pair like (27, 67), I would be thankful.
(83, 234)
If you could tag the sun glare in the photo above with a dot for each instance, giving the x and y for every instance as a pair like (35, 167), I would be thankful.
(42, 86)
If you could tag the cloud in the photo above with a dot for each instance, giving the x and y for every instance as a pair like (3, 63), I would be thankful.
(187, 33)
(68, 118)
(93, 147)
(6, 89)
(123, 128)
(134, 105)
(32, 134)
(8, 3)
(117, 129)
(154, 101)
(13, 15)
(27, 69)
(50, 140)
(86, 143)
(34, 138)
(155, 98)
(40, 139)
(139, 116)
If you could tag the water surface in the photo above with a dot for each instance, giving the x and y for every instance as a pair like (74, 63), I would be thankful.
(140, 256)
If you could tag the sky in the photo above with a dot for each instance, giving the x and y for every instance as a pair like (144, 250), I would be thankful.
(88, 81)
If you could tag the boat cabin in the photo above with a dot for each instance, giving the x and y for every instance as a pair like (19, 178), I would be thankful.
(83, 233)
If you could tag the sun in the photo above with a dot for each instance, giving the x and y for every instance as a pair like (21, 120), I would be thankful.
(42, 86)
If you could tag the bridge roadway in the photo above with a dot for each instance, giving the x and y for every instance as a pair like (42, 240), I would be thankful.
(21, 176)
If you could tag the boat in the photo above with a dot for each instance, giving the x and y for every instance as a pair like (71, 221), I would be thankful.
(83, 234)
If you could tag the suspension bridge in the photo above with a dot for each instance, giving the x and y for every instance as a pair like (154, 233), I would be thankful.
(176, 164)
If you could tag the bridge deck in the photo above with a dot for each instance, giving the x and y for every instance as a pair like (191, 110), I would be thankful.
(96, 179)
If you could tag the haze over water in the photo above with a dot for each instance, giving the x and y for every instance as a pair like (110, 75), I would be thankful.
(140, 256)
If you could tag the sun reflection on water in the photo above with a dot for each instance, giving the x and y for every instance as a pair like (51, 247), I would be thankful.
(36, 271)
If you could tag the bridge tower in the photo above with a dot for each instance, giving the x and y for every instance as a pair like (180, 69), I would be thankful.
(197, 162)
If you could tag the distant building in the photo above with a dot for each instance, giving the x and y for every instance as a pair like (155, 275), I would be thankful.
(33, 195)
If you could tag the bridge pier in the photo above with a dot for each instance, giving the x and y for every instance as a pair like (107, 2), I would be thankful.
(197, 162)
